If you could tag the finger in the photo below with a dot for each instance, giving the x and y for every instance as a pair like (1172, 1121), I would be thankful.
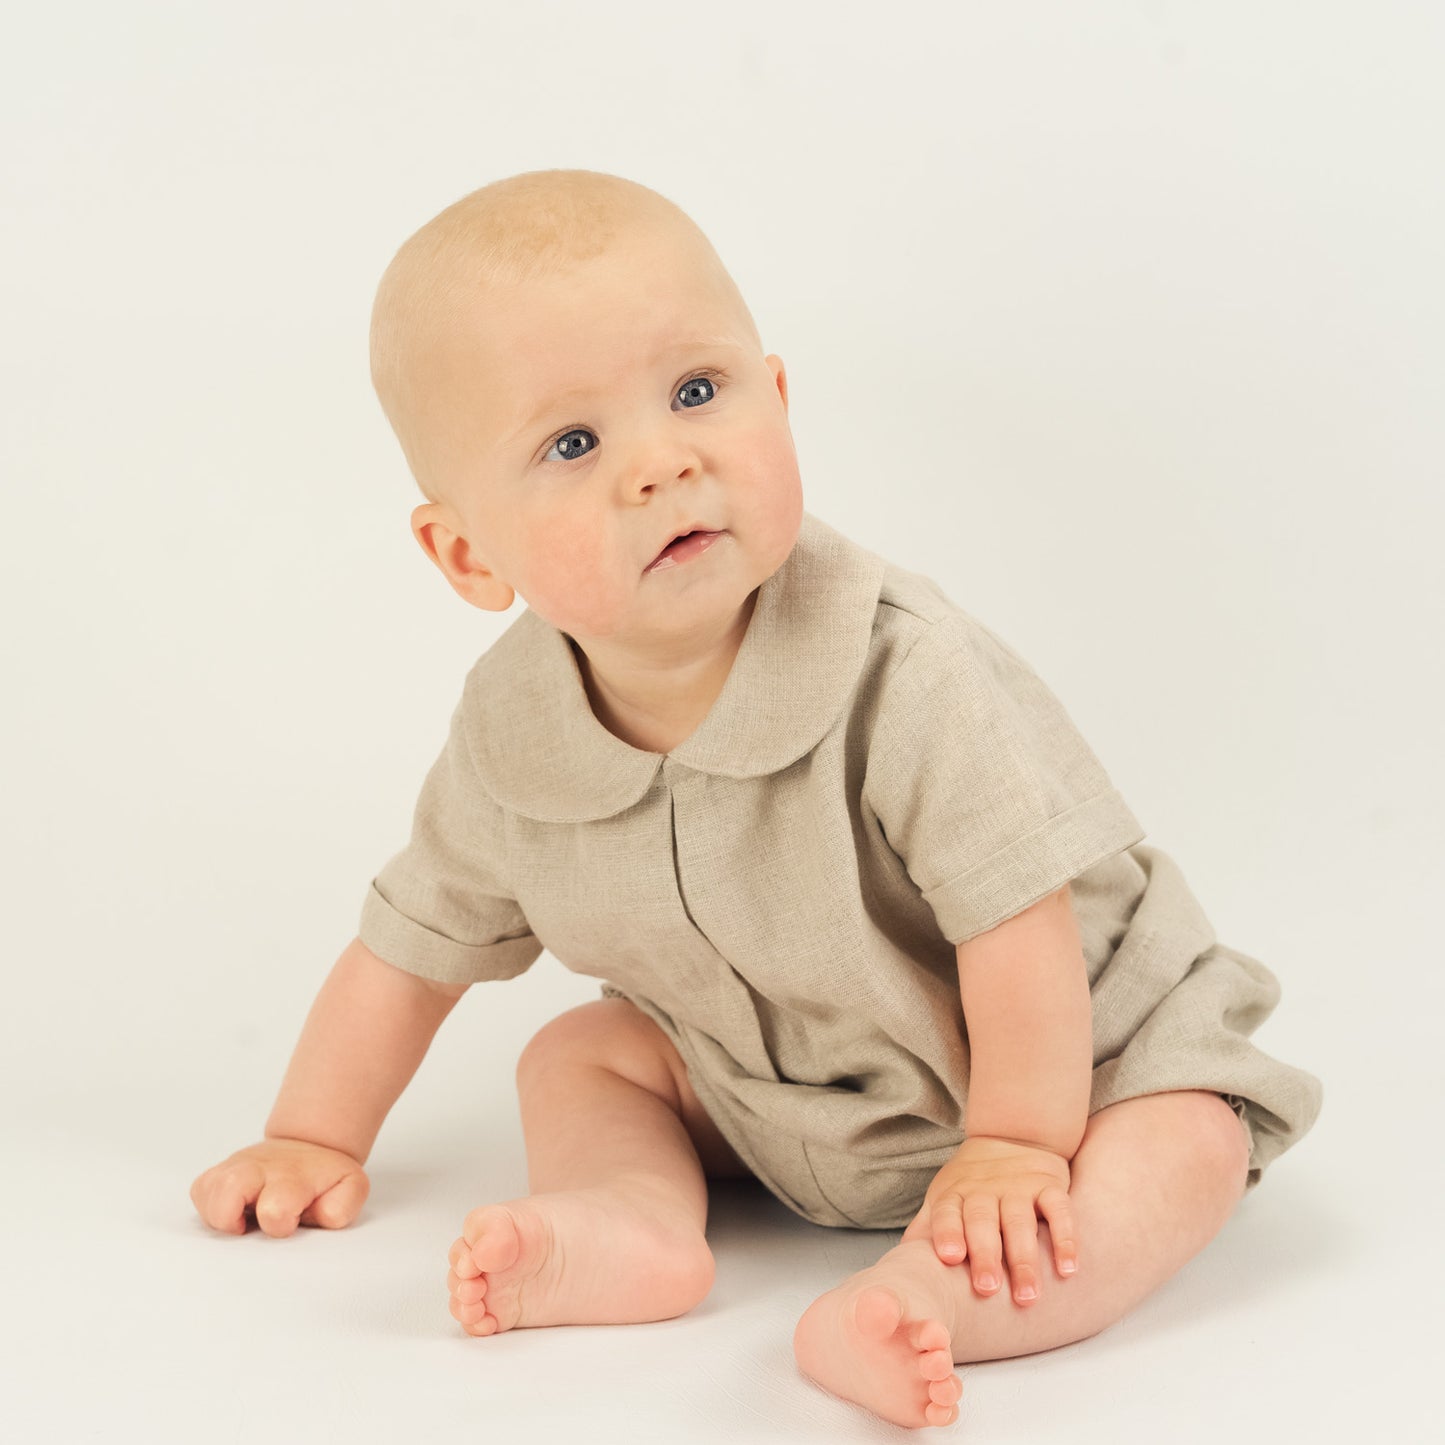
(1021, 1246)
(1058, 1212)
(279, 1205)
(946, 1228)
(336, 1207)
(226, 1191)
(985, 1247)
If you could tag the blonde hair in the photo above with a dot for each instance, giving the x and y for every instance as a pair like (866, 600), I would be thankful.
(515, 230)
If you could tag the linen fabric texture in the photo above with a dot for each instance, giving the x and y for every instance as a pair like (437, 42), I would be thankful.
(880, 779)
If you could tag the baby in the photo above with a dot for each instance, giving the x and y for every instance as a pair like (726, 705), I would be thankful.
(872, 923)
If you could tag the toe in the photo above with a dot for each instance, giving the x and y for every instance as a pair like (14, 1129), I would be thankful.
(479, 1323)
(946, 1392)
(466, 1290)
(877, 1311)
(495, 1243)
(935, 1365)
(929, 1335)
(940, 1414)
(471, 1291)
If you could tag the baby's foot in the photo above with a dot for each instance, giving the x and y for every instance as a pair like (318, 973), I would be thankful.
(883, 1340)
(597, 1256)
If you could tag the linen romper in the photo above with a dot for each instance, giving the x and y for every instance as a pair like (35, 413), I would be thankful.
(880, 778)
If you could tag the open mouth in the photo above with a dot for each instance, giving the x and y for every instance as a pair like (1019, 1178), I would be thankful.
(684, 549)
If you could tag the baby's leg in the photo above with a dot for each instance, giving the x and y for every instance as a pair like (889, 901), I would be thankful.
(1152, 1183)
(617, 1144)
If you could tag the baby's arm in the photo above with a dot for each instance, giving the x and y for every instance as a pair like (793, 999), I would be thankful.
(1025, 994)
(366, 1033)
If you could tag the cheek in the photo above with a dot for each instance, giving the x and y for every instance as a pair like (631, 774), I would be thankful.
(774, 488)
(571, 581)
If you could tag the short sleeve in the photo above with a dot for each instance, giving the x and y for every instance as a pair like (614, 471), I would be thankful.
(981, 782)
(440, 907)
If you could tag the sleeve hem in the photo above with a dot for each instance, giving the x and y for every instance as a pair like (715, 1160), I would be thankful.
(1034, 866)
(403, 942)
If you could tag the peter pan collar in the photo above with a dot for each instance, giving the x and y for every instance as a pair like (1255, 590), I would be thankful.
(540, 751)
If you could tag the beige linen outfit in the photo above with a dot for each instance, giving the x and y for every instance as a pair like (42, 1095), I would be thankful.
(880, 778)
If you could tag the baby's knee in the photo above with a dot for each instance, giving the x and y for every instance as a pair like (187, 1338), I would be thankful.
(1224, 1139)
(610, 1033)
(1219, 1149)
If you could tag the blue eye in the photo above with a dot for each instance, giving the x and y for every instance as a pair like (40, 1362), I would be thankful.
(570, 445)
(578, 442)
(696, 391)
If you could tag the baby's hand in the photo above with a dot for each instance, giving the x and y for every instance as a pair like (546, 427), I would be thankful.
(991, 1180)
(281, 1183)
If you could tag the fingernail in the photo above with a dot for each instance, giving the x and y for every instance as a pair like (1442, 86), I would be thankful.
(1068, 1267)
(1028, 1292)
(987, 1281)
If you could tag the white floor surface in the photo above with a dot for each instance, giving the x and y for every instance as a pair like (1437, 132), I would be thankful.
(1313, 1316)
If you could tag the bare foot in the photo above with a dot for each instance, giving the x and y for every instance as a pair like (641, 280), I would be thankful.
(883, 1340)
(599, 1256)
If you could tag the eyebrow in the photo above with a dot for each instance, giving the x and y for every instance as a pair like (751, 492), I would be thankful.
(562, 398)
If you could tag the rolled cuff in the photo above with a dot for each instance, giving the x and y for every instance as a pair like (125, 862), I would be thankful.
(407, 944)
(1033, 866)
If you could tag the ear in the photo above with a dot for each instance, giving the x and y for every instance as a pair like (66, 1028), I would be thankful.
(436, 529)
(775, 365)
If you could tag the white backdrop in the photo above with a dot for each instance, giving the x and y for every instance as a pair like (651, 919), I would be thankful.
(1120, 320)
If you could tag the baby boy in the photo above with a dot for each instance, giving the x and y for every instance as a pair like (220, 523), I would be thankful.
(872, 924)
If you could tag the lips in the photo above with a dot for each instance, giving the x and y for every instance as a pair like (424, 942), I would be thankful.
(686, 544)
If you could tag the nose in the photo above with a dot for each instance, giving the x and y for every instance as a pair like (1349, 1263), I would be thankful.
(659, 456)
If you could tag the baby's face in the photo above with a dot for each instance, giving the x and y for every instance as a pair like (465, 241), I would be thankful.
(595, 415)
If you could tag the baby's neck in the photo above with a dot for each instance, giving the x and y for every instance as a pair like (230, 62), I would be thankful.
(657, 709)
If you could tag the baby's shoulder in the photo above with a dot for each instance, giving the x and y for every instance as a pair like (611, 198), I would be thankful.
(917, 601)
(916, 619)
(506, 666)
(511, 683)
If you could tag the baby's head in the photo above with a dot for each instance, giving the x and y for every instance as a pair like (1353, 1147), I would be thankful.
(575, 379)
